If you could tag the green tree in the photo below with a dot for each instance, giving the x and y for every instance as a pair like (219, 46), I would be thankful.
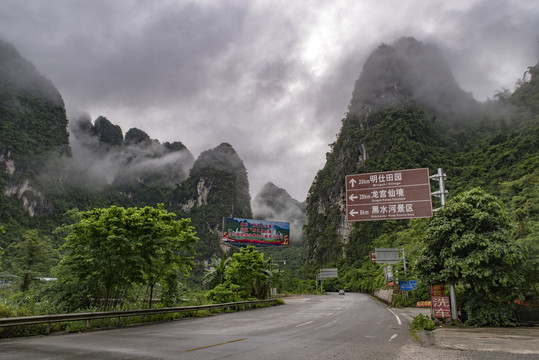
(215, 273)
(111, 250)
(248, 270)
(468, 244)
(32, 257)
(163, 241)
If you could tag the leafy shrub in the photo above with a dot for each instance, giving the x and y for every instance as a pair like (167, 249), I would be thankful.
(6, 312)
(423, 322)
(488, 312)
(397, 299)
(223, 293)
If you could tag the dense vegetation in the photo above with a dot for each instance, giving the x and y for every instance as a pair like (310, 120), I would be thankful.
(468, 244)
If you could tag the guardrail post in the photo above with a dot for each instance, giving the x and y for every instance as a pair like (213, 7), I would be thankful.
(88, 324)
(119, 321)
(48, 328)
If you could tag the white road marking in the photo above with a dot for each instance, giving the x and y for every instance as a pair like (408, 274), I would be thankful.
(330, 314)
(398, 319)
(307, 323)
(393, 337)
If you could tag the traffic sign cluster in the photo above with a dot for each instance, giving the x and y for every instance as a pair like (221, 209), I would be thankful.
(401, 194)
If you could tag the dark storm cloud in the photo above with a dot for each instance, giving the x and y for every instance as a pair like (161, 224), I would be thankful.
(491, 43)
(272, 78)
(167, 55)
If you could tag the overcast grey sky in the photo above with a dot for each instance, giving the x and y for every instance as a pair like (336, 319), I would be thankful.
(272, 78)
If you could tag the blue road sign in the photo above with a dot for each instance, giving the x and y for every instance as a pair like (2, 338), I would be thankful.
(408, 285)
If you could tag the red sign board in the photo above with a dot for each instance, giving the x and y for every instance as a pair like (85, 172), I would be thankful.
(441, 307)
(437, 290)
(401, 194)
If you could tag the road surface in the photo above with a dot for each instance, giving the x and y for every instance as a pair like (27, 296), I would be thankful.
(332, 326)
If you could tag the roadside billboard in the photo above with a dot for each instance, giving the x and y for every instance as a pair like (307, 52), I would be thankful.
(243, 232)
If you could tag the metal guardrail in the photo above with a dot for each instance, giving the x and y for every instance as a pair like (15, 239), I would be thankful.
(49, 319)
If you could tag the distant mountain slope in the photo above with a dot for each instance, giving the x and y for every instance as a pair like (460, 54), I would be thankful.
(217, 187)
(33, 127)
(274, 203)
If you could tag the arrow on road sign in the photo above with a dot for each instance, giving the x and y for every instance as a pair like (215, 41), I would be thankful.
(352, 182)
(353, 212)
(353, 197)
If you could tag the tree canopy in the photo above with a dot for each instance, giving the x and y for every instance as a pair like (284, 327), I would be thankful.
(31, 257)
(468, 243)
(111, 250)
(246, 275)
(248, 270)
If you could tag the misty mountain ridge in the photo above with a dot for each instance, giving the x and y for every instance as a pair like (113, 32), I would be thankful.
(407, 72)
(274, 203)
(103, 157)
(20, 76)
(218, 177)
(29, 101)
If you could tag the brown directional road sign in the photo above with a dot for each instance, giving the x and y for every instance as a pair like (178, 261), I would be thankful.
(400, 194)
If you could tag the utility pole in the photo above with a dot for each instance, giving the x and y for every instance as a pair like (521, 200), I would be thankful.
(440, 176)
(404, 264)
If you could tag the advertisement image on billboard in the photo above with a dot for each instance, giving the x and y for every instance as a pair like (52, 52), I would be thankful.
(243, 232)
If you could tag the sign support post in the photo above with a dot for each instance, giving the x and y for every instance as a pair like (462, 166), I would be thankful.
(440, 176)
(404, 264)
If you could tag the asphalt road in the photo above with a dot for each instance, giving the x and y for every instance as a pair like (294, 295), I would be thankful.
(352, 326)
